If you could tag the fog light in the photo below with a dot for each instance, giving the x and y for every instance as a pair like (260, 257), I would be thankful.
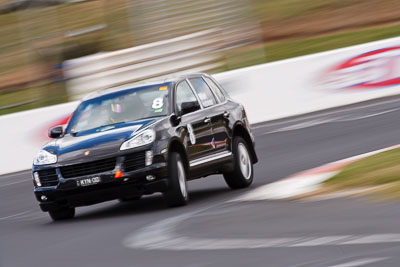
(43, 198)
(36, 178)
(150, 177)
(149, 158)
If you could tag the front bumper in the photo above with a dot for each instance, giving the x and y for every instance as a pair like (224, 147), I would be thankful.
(68, 192)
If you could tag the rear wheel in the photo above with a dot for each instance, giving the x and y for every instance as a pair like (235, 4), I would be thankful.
(242, 174)
(177, 194)
(62, 214)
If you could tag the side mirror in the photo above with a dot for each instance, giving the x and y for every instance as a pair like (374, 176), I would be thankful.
(56, 132)
(188, 107)
(175, 120)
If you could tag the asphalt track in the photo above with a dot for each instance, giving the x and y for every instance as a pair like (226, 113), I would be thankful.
(211, 231)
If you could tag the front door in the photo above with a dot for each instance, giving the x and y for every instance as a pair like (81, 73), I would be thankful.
(197, 123)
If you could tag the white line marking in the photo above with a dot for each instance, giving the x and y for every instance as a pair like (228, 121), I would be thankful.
(364, 155)
(359, 262)
(24, 216)
(17, 182)
(12, 216)
(305, 264)
(305, 117)
(326, 240)
(24, 219)
(299, 126)
(162, 236)
(286, 188)
(312, 123)
(13, 175)
(369, 116)
(372, 239)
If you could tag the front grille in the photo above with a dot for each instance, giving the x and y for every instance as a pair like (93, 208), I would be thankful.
(88, 168)
(48, 177)
(134, 161)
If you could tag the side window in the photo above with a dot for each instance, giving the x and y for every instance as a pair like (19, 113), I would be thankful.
(216, 89)
(184, 94)
(203, 91)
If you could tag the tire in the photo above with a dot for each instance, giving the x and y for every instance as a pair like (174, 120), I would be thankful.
(177, 194)
(130, 198)
(62, 214)
(242, 174)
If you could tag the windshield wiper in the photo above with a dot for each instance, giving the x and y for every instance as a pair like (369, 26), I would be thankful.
(99, 127)
(111, 124)
(156, 116)
(107, 125)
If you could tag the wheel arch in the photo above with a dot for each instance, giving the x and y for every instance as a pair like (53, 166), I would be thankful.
(240, 130)
(176, 146)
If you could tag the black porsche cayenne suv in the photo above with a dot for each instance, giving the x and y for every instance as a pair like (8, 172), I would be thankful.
(126, 142)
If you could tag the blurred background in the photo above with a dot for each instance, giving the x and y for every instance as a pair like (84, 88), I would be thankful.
(52, 51)
(56, 51)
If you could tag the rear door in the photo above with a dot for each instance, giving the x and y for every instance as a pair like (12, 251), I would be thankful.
(220, 117)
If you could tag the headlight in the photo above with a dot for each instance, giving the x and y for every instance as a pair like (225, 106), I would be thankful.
(146, 137)
(44, 157)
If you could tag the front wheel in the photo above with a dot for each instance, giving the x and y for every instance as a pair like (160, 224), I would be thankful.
(177, 194)
(242, 174)
(62, 214)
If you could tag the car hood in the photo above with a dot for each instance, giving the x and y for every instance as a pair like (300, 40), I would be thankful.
(95, 145)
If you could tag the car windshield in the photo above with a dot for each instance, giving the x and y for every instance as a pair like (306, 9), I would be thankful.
(120, 107)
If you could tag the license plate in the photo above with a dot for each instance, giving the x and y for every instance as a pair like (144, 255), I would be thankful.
(88, 181)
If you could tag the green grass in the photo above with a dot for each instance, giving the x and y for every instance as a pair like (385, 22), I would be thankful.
(285, 9)
(382, 169)
(294, 48)
(281, 10)
(45, 95)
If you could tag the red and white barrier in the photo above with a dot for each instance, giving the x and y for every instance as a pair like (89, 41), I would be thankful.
(23, 133)
(315, 82)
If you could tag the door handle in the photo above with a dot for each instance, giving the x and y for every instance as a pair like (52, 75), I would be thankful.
(226, 114)
(207, 120)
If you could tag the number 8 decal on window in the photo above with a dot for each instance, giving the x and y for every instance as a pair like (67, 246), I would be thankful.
(157, 103)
